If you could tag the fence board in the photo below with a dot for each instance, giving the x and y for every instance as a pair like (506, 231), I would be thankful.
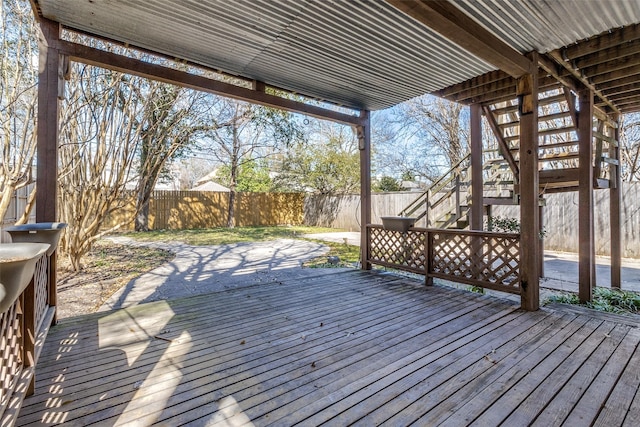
(179, 210)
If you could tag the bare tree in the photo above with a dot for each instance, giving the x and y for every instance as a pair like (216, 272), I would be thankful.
(241, 133)
(18, 100)
(431, 135)
(167, 126)
(98, 146)
(630, 147)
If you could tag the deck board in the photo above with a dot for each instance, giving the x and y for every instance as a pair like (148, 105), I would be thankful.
(344, 348)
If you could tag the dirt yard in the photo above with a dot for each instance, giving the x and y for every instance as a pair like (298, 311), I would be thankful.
(107, 268)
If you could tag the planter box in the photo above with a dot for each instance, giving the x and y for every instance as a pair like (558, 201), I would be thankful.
(397, 223)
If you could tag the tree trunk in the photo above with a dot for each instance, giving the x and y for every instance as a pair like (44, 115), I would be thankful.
(142, 215)
(231, 213)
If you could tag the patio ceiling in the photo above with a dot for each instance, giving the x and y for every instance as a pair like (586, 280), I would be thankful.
(362, 54)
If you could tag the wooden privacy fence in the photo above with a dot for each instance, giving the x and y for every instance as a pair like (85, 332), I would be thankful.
(560, 216)
(485, 259)
(23, 328)
(178, 210)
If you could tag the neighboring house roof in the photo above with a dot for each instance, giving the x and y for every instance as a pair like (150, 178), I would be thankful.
(411, 185)
(211, 186)
(208, 177)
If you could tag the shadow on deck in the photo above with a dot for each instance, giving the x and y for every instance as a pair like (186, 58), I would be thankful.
(349, 347)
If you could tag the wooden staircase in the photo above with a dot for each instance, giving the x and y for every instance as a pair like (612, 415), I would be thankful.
(558, 149)
(445, 204)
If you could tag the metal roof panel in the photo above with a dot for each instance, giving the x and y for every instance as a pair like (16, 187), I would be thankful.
(363, 54)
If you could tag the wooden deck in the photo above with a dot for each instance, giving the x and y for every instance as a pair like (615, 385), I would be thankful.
(344, 348)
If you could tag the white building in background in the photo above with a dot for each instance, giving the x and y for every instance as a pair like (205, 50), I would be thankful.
(210, 186)
(206, 183)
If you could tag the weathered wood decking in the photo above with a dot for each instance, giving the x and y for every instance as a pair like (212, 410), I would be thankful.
(342, 348)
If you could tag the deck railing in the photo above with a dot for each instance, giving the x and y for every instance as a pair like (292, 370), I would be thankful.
(23, 328)
(478, 258)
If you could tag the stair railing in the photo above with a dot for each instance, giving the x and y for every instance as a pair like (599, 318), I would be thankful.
(450, 181)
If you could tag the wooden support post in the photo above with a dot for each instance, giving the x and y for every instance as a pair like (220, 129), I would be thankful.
(364, 141)
(541, 249)
(529, 188)
(585, 197)
(477, 196)
(614, 209)
(50, 86)
(428, 257)
(48, 112)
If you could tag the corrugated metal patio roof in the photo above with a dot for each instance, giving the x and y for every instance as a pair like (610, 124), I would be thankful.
(360, 54)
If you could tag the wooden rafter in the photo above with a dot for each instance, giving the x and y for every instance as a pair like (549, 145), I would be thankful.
(618, 52)
(583, 79)
(601, 42)
(480, 81)
(452, 23)
(621, 90)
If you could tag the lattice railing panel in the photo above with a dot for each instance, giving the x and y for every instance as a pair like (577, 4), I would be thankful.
(404, 251)
(41, 278)
(486, 259)
(11, 349)
(489, 260)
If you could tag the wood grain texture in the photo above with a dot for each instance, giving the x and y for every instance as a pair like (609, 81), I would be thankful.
(353, 347)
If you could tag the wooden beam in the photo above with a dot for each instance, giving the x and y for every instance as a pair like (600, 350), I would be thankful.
(585, 198)
(614, 211)
(550, 176)
(556, 71)
(477, 196)
(364, 144)
(113, 61)
(529, 189)
(446, 19)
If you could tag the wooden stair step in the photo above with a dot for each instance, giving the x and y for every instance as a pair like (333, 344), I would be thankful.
(544, 132)
(559, 156)
(505, 110)
(610, 161)
(558, 145)
(552, 99)
(554, 116)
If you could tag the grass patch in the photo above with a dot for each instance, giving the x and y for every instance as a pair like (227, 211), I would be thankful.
(604, 299)
(341, 254)
(347, 255)
(224, 236)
